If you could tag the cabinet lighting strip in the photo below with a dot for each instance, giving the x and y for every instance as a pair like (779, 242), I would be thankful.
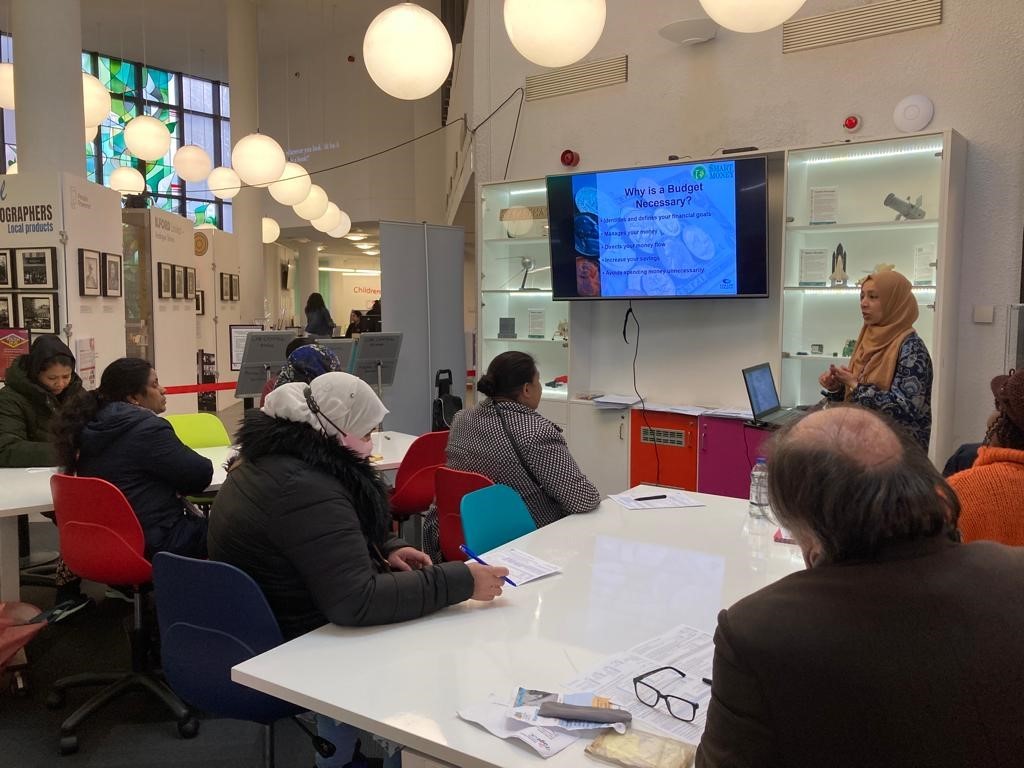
(873, 155)
(849, 291)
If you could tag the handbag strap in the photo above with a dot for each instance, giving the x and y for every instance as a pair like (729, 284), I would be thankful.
(515, 446)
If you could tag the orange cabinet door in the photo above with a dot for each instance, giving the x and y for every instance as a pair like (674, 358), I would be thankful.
(663, 449)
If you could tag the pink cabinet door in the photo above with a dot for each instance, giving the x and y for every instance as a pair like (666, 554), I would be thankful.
(727, 449)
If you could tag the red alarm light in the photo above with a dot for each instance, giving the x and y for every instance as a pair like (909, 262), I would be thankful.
(851, 123)
(570, 158)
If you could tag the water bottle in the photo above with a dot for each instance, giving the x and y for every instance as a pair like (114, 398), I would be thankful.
(759, 489)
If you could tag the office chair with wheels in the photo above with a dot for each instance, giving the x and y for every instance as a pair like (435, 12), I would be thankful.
(213, 616)
(494, 516)
(450, 485)
(101, 540)
(199, 430)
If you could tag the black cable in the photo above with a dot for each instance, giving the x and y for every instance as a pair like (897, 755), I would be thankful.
(512, 144)
(643, 406)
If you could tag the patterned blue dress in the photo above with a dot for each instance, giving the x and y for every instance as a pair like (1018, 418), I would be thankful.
(908, 401)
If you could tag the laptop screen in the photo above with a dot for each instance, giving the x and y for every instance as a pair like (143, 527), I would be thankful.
(761, 389)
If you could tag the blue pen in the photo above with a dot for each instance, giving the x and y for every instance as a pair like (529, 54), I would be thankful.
(469, 553)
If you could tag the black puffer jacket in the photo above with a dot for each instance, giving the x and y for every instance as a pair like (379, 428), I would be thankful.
(287, 516)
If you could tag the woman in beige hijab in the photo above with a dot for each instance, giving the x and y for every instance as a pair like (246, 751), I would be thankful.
(890, 370)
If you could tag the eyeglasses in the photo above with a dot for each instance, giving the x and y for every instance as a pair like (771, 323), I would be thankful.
(678, 707)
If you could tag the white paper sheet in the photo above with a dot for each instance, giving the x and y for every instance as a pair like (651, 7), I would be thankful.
(491, 714)
(671, 498)
(686, 410)
(522, 566)
(685, 648)
(924, 264)
(824, 205)
(815, 266)
(615, 401)
(732, 413)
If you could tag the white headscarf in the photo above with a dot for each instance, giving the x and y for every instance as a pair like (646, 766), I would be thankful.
(343, 399)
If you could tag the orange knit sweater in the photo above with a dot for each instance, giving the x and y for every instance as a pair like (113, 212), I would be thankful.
(992, 496)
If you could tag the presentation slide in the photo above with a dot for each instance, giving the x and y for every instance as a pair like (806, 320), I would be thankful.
(664, 231)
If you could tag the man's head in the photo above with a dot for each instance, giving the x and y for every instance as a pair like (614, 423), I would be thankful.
(1006, 427)
(845, 483)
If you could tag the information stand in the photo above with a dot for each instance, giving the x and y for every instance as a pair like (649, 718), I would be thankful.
(264, 354)
(343, 348)
(377, 358)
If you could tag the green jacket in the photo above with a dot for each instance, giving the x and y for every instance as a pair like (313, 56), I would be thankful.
(25, 412)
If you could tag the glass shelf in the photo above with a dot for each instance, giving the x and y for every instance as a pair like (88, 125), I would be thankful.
(517, 240)
(869, 226)
(820, 290)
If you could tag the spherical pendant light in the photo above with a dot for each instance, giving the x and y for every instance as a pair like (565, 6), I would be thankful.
(223, 182)
(12, 169)
(147, 138)
(407, 51)
(554, 34)
(271, 230)
(748, 16)
(90, 133)
(343, 227)
(330, 219)
(314, 206)
(95, 100)
(292, 186)
(258, 159)
(192, 163)
(7, 85)
(127, 181)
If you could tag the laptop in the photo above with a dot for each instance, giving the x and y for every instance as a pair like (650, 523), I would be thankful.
(764, 397)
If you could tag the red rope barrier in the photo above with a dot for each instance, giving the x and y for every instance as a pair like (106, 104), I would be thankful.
(186, 389)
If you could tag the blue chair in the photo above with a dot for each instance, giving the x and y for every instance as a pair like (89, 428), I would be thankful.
(494, 516)
(213, 616)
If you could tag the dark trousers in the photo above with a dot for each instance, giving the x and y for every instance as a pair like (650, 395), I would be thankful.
(186, 537)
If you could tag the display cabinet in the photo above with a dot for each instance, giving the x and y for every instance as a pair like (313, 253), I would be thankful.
(516, 308)
(849, 208)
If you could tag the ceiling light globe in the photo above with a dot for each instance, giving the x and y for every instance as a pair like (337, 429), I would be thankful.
(314, 206)
(292, 186)
(343, 226)
(330, 219)
(750, 16)
(95, 100)
(127, 181)
(223, 183)
(554, 34)
(271, 230)
(258, 159)
(147, 138)
(192, 163)
(407, 51)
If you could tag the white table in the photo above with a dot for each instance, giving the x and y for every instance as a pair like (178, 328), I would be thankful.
(627, 576)
(27, 491)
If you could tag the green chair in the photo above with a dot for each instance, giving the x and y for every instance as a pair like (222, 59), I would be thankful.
(199, 430)
(494, 516)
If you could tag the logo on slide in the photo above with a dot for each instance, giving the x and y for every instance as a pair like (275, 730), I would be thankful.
(699, 173)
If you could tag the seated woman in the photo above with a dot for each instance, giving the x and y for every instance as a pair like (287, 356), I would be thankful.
(114, 433)
(355, 323)
(38, 386)
(306, 360)
(505, 439)
(992, 491)
(304, 513)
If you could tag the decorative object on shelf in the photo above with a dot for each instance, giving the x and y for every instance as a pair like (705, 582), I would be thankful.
(904, 208)
(112, 274)
(507, 328)
(561, 332)
(223, 183)
(89, 273)
(524, 220)
(292, 186)
(271, 230)
(178, 285)
(407, 51)
(38, 312)
(913, 113)
(225, 286)
(236, 293)
(200, 302)
(817, 349)
(745, 16)
(258, 159)
(190, 282)
(554, 34)
(147, 138)
(849, 346)
(192, 163)
(839, 277)
(35, 268)
(164, 279)
(6, 269)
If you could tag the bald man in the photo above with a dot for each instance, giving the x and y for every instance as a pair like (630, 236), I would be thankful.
(898, 646)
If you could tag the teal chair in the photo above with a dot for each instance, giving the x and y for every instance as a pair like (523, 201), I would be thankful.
(199, 430)
(494, 516)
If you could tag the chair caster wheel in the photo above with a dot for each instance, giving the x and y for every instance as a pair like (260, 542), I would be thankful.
(188, 728)
(68, 745)
(55, 699)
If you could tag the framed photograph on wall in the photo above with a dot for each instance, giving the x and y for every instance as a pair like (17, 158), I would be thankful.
(236, 293)
(6, 269)
(112, 274)
(164, 275)
(178, 291)
(7, 310)
(225, 286)
(38, 312)
(89, 273)
(200, 302)
(190, 282)
(36, 268)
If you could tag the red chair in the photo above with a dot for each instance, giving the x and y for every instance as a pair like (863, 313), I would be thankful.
(450, 485)
(414, 481)
(101, 540)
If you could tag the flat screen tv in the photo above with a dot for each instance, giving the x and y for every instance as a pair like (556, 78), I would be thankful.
(679, 231)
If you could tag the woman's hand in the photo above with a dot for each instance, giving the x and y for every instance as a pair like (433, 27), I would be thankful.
(828, 380)
(487, 580)
(409, 559)
(845, 376)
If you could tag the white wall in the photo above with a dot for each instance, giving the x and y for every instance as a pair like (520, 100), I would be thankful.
(350, 292)
(224, 258)
(740, 90)
(280, 302)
